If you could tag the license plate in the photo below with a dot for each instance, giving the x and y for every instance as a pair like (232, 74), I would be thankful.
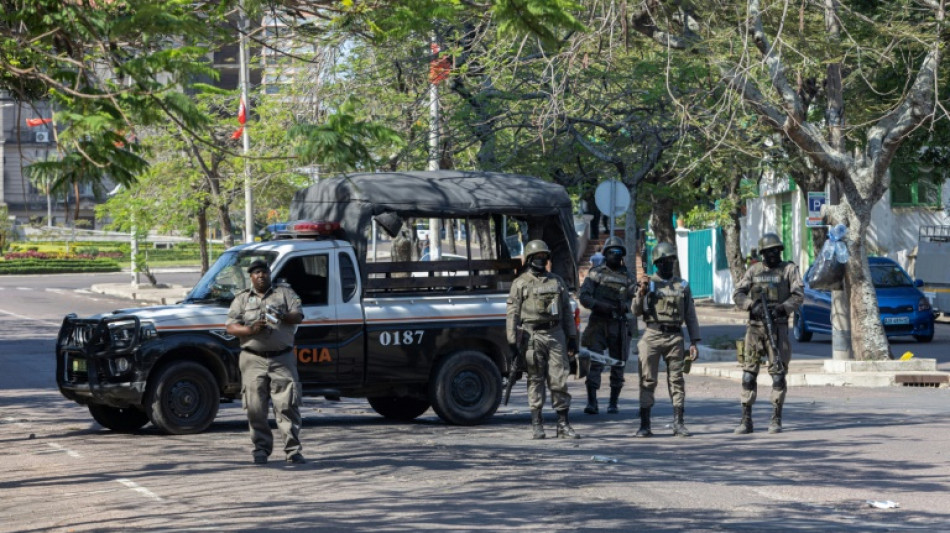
(892, 320)
(79, 365)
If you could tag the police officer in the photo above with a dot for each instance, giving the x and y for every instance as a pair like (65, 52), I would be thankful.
(265, 318)
(782, 286)
(665, 302)
(607, 291)
(540, 325)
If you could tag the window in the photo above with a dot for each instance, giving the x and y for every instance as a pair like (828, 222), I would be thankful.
(915, 191)
(347, 276)
(307, 276)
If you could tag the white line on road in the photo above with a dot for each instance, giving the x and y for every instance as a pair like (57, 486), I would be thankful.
(69, 452)
(140, 489)
(24, 317)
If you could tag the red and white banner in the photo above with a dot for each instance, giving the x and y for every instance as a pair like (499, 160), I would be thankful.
(34, 122)
(439, 67)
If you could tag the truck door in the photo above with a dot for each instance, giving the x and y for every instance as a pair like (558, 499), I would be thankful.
(317, 339)
(350, 322)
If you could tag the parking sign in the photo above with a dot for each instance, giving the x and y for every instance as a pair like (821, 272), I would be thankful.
(815, 201)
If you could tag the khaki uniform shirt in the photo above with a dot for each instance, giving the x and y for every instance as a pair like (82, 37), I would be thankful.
(248, 307)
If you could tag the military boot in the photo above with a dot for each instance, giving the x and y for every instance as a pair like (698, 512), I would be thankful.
(564, 429)
(592, 408)
(644, 430)
(775, 425)
(537, 426)
(745, 425)
(614, 396)
(679, 428)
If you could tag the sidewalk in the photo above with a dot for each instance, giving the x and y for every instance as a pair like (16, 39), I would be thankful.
(804, 370)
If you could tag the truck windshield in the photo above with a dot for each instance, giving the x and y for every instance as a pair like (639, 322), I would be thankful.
(226, 277)
(889, 276)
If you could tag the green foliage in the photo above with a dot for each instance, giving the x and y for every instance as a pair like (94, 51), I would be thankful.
(57, 266)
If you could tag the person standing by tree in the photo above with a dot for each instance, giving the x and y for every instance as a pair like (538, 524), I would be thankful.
(781, 285)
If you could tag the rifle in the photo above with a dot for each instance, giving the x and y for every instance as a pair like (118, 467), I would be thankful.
(600, 357)
(514, 366)
(769, 325)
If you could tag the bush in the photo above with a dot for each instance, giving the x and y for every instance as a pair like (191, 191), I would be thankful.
(57, 266)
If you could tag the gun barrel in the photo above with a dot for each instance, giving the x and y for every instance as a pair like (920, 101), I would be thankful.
(600, 357)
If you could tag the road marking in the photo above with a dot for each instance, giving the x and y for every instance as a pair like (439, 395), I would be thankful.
(69, 452)
(24, 289)
(24, 317)
(140, 489)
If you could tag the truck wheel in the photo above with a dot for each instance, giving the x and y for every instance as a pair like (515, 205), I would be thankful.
(399, 407)
(121, 419)
(466, 388)
(183, 399)
(798, 328)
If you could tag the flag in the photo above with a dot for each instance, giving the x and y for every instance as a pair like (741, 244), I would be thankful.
(33, 122)
(439, 67)
(242, 112)
(237, 133)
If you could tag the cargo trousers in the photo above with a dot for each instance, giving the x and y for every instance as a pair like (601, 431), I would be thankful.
(756, 350)
(547, 364)
(271, 379)
(670, 346)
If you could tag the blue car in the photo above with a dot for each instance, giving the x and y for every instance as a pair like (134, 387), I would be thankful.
(904, 309)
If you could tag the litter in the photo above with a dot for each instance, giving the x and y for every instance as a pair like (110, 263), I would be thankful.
(884, 505)
(907, 356)
(602, 459)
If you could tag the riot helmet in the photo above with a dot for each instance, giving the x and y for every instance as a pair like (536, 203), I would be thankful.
(613, 252)
(536, 255)
(664, 256)
(771, 247)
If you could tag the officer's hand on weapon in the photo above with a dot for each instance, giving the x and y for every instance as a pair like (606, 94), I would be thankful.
(779, 313)
(572, 346)
(758, 310)
(644, 285)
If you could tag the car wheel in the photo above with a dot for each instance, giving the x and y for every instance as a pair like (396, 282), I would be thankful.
(466, 388)
(183, 398)
(121, 419)
(925, 338)
(399, 407)
(798, 328)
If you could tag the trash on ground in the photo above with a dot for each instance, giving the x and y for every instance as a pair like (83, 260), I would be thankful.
(907, 355)
(602, 459)
(884, 505)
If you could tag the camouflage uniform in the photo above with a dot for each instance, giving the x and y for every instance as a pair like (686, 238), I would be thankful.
(539, 305)
(269, 369)
(607, 293)
(782, 286)
(664, 308)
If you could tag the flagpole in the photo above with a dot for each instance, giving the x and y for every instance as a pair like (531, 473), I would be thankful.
(245, 139)
(435, 230)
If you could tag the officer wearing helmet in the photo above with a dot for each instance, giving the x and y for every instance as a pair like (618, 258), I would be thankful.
(540, 327)
(781, 284)
(608, 291)
(665, 302)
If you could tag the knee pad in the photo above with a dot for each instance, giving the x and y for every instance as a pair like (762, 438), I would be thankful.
(778, 381)
(748, 381)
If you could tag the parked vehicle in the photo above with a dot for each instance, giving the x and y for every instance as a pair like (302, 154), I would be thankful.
(903, 307)
(371, 329)
(931, 265)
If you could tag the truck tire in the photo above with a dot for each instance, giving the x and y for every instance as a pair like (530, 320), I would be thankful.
(121, 419)
(183, 398)
(401, 408)
(466, 388)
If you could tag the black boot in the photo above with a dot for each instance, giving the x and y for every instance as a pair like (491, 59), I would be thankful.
(614, 396)
(564, 429)
(537, 426)
(775, 426)
(591, 408)
(745, 425)
(644, 430)
(679, 428)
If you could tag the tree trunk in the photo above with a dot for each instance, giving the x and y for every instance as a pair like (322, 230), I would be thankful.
(76, 207)
(203, 238)
(224, 216)
(734, 257)
(631, 233)
(661, 220)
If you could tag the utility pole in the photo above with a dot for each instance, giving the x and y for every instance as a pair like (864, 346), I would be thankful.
(245, 139)
(435, 230)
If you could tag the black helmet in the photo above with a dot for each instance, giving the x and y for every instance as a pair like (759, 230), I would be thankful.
(614, 242)
(535, 247)
(769, 241)
(664, 250)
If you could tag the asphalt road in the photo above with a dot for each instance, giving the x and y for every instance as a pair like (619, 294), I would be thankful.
(843, 447)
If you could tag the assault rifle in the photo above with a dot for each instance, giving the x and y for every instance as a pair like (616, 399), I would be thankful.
(515, 366)
(769, 324)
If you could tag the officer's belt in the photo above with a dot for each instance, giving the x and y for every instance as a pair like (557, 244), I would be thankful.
(261, 353)
(664, 328)
(541, 326)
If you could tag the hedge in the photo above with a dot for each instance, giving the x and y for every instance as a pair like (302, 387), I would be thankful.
(57, 266)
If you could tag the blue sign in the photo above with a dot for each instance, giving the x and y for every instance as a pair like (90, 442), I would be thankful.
(815, 201)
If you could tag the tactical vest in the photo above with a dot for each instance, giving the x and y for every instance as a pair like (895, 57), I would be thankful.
(541, 301)
(670, 300)
(611, 286)
(772, 282)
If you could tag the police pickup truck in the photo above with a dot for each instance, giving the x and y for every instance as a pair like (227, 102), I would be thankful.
(406, 335)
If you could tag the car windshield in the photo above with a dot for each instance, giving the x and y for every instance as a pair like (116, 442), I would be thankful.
(226, 277)
(889, 276)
